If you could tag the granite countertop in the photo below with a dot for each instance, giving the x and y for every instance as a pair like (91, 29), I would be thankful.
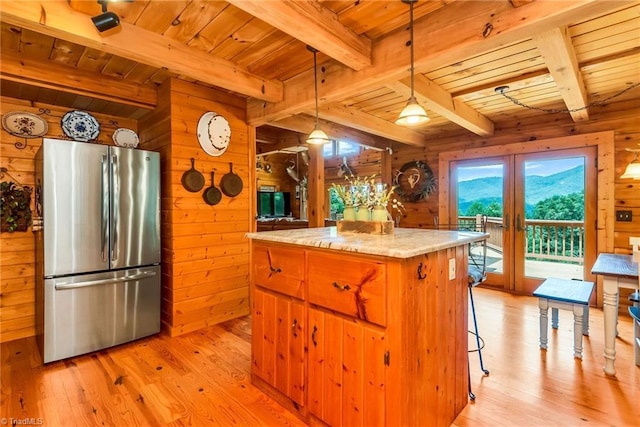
(403, 243)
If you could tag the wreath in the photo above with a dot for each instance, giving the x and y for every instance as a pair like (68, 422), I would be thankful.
(414, 181)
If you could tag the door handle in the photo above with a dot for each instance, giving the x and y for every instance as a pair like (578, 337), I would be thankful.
(142, 275)
(115, 196)
(104, 205)
(519, 224)
(506, 222)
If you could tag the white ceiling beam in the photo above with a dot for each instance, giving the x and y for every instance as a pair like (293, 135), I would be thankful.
(315, 25)
(57, 19)
(558, 53)
(438, 100)
(441, 38)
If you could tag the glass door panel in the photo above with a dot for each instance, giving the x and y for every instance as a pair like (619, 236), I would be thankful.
(551, 213)
(480, 188)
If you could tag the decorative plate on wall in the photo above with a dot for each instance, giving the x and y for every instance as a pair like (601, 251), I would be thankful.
(25, 125)
(214, 133)
(126, 138)
(80, 126)
(414, 181)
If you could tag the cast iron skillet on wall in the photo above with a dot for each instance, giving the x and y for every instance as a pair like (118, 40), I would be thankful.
(231, 183)
(212, 195)
(192, 180)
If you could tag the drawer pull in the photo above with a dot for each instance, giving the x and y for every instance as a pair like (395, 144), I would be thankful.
(274, 269)
(341, 287)
(313, 336)
(421, 275)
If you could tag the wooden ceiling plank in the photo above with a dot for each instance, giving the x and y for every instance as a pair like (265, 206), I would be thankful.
(314, 25)
(557, 50)
(46, 74)
(57, 19)
(35, 45)
(440, 101)
(93, 60)
(158, 15)
(193, 19)
(441, 40)
(357, 119)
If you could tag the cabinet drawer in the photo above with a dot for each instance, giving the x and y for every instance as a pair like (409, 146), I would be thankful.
(279, 269)
(349, 285)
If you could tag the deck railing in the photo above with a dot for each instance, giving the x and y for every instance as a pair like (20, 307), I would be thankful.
(544, 239)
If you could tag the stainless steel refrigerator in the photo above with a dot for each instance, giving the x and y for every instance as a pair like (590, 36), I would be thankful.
(98, 250)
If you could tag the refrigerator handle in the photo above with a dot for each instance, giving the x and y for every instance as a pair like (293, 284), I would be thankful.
(115, 196)
(141, 275)
(104, 204)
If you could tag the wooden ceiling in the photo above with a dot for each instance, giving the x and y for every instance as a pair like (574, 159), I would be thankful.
(551, 54)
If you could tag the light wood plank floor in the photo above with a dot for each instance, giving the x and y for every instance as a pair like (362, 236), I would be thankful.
(203, 378)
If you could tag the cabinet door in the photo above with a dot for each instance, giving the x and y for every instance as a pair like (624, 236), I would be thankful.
(347, 371)
(278, 334)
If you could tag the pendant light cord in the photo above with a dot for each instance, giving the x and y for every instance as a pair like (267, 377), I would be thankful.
(411, 41)
(315, 79)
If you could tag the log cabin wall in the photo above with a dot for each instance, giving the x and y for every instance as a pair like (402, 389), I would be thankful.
(17, 249)
(622, 118)
(205, 256)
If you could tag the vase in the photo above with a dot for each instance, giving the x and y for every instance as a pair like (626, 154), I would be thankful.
(379, 214)
(362, 214)
(349, 213)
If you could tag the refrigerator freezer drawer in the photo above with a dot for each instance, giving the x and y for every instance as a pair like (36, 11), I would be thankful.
(95, 311)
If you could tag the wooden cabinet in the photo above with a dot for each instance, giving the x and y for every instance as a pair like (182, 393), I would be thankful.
(346, 371)
(277, 341)
(360, 340)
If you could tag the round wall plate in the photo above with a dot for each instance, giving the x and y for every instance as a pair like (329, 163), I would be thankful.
(126, 138)
(80, 126)
(214, 133)
(24, 124)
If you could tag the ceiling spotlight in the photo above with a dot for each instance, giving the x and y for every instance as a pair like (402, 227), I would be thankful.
(106, 20)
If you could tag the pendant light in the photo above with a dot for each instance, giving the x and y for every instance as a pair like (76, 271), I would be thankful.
(633, 169)
(412, 114)
(317, 136)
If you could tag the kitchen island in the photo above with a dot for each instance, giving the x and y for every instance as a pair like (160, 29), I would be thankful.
(360, 329)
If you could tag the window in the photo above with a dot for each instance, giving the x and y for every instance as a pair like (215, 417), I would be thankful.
(341, 148)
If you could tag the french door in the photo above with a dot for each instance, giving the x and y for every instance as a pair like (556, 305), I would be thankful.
(541, 208)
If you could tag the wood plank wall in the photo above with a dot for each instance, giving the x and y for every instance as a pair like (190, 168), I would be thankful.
(279, 178)
(621, 117)
(205, 256)
(17, 249)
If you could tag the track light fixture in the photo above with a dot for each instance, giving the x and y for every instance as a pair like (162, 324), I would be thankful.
(106, 20)
(317, 136)
(412, 114)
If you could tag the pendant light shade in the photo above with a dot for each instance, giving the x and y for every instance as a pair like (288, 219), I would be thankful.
(412, 114)
(633, 170)
(317, 136)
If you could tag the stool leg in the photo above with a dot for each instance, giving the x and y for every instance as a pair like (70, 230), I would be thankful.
(554, 318)
(471, 395)
(475, 325)
(543, 303)
(578, 313)
(585, 325)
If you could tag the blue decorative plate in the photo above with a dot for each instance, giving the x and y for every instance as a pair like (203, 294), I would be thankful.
(80, 126)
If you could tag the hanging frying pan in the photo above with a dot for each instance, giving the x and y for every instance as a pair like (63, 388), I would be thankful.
(231, 184)
(212, 195)
(192, 180)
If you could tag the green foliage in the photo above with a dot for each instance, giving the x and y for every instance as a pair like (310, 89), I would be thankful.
(493, 209)
(16, 206)
(336, 202)
(568, 208)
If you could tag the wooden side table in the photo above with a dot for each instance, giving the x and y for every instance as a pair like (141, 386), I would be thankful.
(617, 271)
(572, 295)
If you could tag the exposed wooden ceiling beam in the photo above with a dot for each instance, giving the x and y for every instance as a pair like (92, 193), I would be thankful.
(56, 18)
(315, 25)
(442, 38)
(556, 49)
(50, 75)
(371, 124)
(438, 100)
(304, 124)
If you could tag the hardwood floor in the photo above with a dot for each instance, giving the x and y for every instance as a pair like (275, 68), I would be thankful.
(202, 378)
